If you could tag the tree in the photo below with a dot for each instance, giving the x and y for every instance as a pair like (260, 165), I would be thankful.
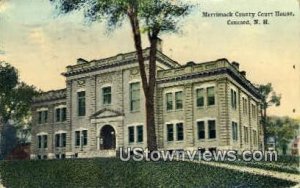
(283, 129)
(269, 98)
(15, 103)
(152, 17)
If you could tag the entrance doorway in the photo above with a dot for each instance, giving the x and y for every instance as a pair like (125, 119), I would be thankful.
(107, 137)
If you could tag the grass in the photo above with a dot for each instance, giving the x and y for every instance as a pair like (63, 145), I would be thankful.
(289, 164)
(115, 173)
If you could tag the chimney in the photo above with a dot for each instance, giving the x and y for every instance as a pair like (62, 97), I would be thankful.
(236, 65)
(243, 73)
(159, 45)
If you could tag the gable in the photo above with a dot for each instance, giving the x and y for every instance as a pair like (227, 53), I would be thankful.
(105, 113)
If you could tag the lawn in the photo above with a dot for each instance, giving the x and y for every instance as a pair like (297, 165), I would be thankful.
(288, 164)
(115, 173)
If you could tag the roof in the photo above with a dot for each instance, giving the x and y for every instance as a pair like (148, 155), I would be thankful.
(196, 70)
(84, 66)
(50, 96)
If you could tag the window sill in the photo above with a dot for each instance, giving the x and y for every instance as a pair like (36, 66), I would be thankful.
(175, 110)
(211, 139)
(136, 111)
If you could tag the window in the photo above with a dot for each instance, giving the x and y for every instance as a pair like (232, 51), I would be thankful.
(57, 114)
(200, 97)
(42, 116)
(178, 100)
(180, 133)
(77, 138)
(40, 141)
(212, 128)
(131, 134)
(64, 139)
(135, 96)
(246, 135)
(233, 99)
(253, 110)
(245, 105)
(85, 137)
(60, 140)
(81, 103)
(60, 114)
(45, 116)
(106, 95)
(210, 96)
(139, 133)
(234, 131)
(254, 138)
(45, 139)
(63, 114)
(170, 132)
(57, 140)
(169, 101)
(201, 130)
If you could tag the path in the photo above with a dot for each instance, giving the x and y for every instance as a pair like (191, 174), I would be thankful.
(258, 171)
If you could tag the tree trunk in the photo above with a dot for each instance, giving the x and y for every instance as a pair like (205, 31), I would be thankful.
(264, 122)
(150, 103)
(148, 86)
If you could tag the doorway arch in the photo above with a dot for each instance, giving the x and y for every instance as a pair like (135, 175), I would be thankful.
(107, 137)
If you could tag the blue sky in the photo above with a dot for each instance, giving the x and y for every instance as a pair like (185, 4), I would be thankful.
(41, 44)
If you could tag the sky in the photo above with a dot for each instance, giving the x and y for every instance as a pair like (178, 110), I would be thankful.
(40, 43)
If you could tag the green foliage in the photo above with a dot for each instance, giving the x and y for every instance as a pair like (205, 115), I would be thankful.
(115, 173)
(154, 15)
(283, 129)
(284, 163)
(15, 96)
(269, 96)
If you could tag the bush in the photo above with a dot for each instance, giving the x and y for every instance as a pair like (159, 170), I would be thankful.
(116, 173)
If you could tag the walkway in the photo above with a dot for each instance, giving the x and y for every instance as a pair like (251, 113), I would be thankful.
(258, 171)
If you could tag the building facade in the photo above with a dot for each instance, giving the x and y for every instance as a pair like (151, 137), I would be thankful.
(198, 105)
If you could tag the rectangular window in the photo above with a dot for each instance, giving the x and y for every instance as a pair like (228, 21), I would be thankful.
(234, 131)
(244, 105)
(40, 141)
(169, 101)
(77, 138)
(212, 128)
(170, 132)
(254, 138)
(201, 130)
(45, 116)
(63, 114)
(106, 95)
(246, 135)
(180, 132)
(233, 99)
(139, 133)
(40, 117)
(85, 137)
(210, 96)
(178, 100)
(57, 140)
(253, 111)
(131, 134)
(45, 140)
(135, 96)
(81, 103)
(200, 97)
(64, 139)
(57, 114)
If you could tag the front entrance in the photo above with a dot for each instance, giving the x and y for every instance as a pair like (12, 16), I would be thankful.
(107, 137)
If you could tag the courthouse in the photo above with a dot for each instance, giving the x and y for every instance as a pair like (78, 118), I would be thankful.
(208, 106)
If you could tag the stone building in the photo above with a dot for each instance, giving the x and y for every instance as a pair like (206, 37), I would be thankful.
(207, 105)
